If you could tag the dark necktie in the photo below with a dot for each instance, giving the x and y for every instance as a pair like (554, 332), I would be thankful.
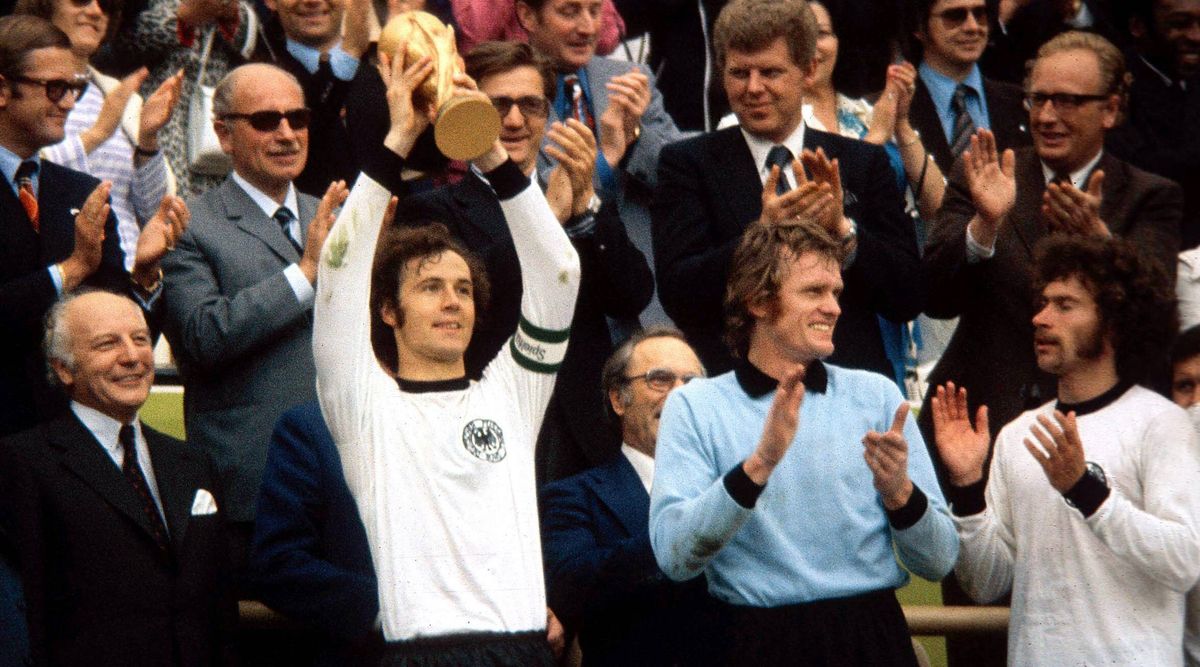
(964, 127)
(133, 473)
(578, 103)
(781, 156)
(325, 76)
(284, 218)
(24, 179)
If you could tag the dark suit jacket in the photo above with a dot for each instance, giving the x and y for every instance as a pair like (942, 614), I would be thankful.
(616, 282)
(27, 292)
(100, 591)
(709, 192)
(602, 579)
(1006, 114)
(1033, 25)
(991, 352)
(310, 559)
(14, 629)
(242, 339)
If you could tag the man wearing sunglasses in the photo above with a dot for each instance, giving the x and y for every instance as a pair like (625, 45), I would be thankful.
(601, 578)
(59, 232)
(239, 289)
(616, 280)
(952, 99)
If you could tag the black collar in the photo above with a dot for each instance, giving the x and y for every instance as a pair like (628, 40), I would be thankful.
(758, 384)
(431, 386)
(1094, 404)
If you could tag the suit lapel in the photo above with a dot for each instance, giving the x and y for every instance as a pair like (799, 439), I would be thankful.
(597, 90)
(176, 484)
(925, 115)
(739, 181)
(56, 222)
(1026, 215)
(1116, 180)
(86, 458)
(622, 492)
(244, 214)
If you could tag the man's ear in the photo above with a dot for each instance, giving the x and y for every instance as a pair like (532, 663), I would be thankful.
(759, 308)
(809, 73)
(526, 16)
(387, 313)
(614, 399)
(5, 91)
(224, 135)
(65, 376)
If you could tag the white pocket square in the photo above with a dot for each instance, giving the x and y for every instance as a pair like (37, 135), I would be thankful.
(203, 503)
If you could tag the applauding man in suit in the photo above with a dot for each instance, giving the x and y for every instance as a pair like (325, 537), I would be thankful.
(240, 287)
(120, 539)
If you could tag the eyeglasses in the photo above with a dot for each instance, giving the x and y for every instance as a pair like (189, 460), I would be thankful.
(57, 88)
(1060, 101)
(957, 16)
(531, 106)
(268, 121)
(662, 379)
(105, 5)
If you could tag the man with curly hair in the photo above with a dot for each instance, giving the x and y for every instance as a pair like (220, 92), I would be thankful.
(1090, 514)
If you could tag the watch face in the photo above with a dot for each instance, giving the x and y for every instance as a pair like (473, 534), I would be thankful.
(1096, 471)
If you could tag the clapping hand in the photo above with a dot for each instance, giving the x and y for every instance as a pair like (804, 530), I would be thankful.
(1069, 210)
(886, 455)
(963, 447)
(993, 185)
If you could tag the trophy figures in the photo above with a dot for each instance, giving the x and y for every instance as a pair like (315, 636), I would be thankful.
(465, 128)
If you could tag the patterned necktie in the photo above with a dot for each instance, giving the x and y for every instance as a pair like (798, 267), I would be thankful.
(964, 127)
(780, 155)
(133, 473)
(284, 218)
(579, 107)
(24, 179)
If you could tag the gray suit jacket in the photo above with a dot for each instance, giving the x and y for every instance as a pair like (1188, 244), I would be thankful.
(242, 340)
(638, 172)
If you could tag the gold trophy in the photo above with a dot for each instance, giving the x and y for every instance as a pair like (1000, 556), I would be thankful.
(465, 128)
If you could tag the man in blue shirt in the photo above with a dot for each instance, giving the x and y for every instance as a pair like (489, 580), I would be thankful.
(797, 535)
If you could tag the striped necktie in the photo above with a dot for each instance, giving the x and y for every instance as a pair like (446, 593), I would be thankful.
(964, 127)
(284, 218)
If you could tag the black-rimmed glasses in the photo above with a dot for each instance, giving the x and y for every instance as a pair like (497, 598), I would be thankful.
(957, 16)
(1060, 101)
(56, 88)
(531, 106)
(662, 379)
(268, 121)
(105, 5)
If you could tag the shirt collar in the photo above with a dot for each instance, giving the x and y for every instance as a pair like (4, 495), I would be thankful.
(759, 147)
(342, 63)
(432, 386)
(1095, 404)
(105, 429)
(941, 87)
(643, 465)
(758, 384)
(1079, 177)
(265, 202)
(9, 163)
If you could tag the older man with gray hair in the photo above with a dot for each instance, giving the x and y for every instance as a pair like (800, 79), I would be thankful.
(239, 287)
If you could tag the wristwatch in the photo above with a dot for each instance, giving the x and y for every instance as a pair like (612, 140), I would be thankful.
(593, 205)
(1093, 473)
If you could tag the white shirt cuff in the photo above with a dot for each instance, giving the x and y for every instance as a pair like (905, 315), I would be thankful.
(976, 251)
(300, 286)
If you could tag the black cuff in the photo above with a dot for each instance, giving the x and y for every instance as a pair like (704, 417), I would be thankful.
(1088, 494)
(741, 488)
(507, 180)
(967, 500)
(912, 511)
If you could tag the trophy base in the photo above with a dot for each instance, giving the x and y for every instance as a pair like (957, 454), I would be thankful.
(466, 128)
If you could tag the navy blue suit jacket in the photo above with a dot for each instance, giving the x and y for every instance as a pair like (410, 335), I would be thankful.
(310, 559)
(601, 576)
(27, 292)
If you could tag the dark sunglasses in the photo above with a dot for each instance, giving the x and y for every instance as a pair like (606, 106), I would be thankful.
(57, 88)
(957, 16)
(1060, 101)
(662, 379)
(268, 121)
(105, 5)
(531, 106)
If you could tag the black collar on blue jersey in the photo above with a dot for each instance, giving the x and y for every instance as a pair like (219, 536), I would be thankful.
(430, 386)
(758, 384)
(1094, 404)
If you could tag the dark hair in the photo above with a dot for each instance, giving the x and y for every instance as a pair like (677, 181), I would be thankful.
(45, 9)
(915, 20)
(612, 378)
(759, 268)
(397, 246)
(19, 35)
(1187, 345)
(490, 58)
(535, 5)
(752, 25)
(1114, 78)
(1133, 294)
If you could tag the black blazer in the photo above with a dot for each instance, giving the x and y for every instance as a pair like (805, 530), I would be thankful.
(27, 292)
(602, 579)
(1006, 114)
(709, 191)
(99, 590)
(616, 282)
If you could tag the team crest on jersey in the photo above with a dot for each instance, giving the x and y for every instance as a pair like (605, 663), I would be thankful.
(484, 439)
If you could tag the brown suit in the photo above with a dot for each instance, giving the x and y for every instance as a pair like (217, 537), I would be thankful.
(991, 353)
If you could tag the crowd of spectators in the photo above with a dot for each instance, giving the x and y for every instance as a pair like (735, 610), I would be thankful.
(423, 397)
